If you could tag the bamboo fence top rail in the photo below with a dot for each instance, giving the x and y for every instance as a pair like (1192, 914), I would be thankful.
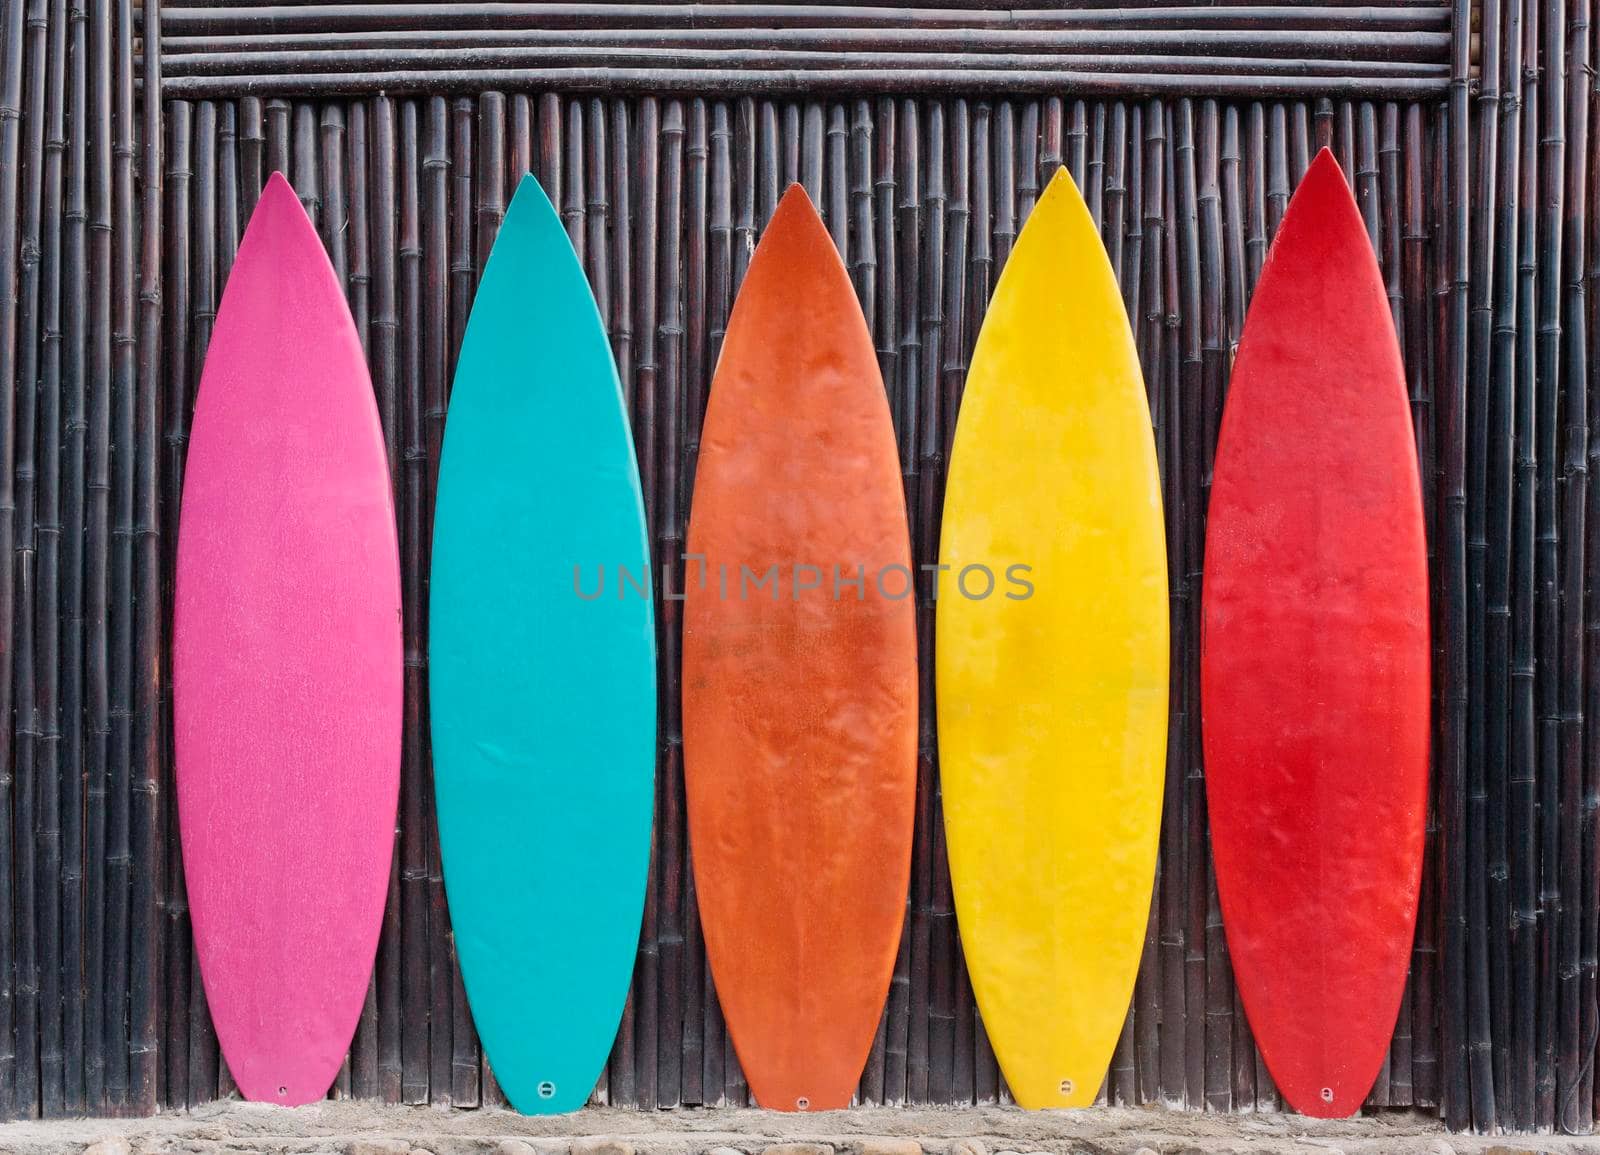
(1389, 49)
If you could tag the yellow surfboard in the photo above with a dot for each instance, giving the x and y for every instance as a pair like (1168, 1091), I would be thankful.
(1052, 690)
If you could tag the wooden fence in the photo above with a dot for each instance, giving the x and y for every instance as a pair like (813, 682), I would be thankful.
(1468, 134)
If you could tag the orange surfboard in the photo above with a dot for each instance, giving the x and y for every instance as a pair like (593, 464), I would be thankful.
(799, 675)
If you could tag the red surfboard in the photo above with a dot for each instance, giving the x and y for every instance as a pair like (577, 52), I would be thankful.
(287, 665)
(1315, 658)
(799, 675)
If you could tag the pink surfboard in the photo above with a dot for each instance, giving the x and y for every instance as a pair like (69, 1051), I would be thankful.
(287, 665)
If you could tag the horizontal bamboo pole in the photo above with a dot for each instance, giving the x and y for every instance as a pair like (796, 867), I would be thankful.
(235, 63)
(349, 17)
(883, 37)
(792, 81)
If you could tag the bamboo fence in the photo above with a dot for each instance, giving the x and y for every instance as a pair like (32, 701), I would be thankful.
(665, 134)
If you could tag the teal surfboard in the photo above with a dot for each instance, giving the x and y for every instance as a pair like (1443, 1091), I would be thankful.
(543, 670)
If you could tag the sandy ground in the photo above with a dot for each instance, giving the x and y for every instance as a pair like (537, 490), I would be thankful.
(348, 1128)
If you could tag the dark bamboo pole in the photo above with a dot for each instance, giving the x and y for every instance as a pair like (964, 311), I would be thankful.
(86, 1088)
(549, 150)
(972, 1071)
(383, 353)
(44, 937)
(1136, 291)
(836, 188)
(885, 330)
(665, 1087)
(621, 316)
(61, 1056)
(1519, 166)
(1157, 276)
(252, 154)
(1479, 1030)
(453, 1055)
(424, 169)
(175, 412)
(1583, 556)
(1193, 425)
(113, 992)
(18, 1065)
(1005, 191)
(634, 1056)
(1236, 269)
(1174, 404)
(24, 37)
(949, 381)
(1218, 1084)
(1453, 558)
(1547, 385)
(490, 179)
(1556, 330)
(1499, 386)
(406, 368)
(519, 157)
(147, 830)
(1027, 162)
(1398, 1066)
(925, 548)
(1433, 1068)
(708, 241)
(225, 241)
(908, 219)
(203, 1071)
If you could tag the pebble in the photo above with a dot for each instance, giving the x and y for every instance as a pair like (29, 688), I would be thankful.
(797, 1149)
(884, 1146)
(514, 1147)
(115, 1145)
(967, 1147)
(379, 1147)
(601, 1146)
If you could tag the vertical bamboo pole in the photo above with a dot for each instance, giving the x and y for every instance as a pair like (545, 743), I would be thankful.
(86, 1090)
(972, 1053)
(908, 218)
(384, 357)
(1005, 184)
(519, 142)
(1585, 692)
(19, 1087)
(147, 830)
(1497, 329)
(663, 1089)
(949, 382)
(453, 1058)
(176, 443)
(925, 549)
(203, 1056)
(707, 177)
(1223, 267)
(1547, 569)
(25, 33)
(634, 1056)
(1453, 558)
(252, 150)
(424, 170)
(620, 320)
(1556, 331)
(1527, 635)
(883, 318)
(1136, 291)
(549, 152)
(1478, 1025)
(61, 581)
(113, 991)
